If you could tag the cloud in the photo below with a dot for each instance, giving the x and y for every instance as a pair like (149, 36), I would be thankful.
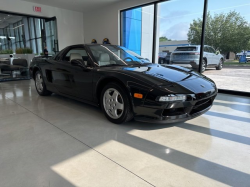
(172, 16)
(176, 32)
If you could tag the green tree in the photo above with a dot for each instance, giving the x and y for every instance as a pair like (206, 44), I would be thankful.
(164, 38)
(227, 32)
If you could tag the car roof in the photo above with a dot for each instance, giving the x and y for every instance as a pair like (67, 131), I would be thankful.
(75, 45)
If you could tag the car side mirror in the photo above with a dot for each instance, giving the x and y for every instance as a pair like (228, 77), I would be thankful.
(78, 62)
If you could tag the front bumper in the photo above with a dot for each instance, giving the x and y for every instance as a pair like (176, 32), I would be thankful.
(175, 111)
(172, 119)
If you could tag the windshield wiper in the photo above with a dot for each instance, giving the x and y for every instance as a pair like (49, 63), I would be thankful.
(108, 65)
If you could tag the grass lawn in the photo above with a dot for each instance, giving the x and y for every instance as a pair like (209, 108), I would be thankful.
(235, 63)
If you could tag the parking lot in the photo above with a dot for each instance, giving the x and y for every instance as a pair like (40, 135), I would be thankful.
(231, 78)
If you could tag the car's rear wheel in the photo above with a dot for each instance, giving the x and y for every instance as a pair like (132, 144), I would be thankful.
(115, 104)
(220, 65)
(40, 85)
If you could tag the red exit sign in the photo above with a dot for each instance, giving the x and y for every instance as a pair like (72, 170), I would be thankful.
(37, 9)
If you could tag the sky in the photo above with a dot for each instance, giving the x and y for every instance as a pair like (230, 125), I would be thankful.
(175, 16)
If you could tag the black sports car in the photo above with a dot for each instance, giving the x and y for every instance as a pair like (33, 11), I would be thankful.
(124, 84)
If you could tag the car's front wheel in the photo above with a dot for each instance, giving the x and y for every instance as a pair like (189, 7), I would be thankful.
(220, 65)
(40, 85)
(115, 104)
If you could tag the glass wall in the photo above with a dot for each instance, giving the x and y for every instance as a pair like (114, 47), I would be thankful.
(28, 32)
(137, 30)
(177, 37)
(174, 23)
(50, 35)
(228, 33)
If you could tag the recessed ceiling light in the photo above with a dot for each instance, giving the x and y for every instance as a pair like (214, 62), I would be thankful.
(8, 15)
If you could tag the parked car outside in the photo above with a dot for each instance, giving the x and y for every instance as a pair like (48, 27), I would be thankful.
(248, 58)
(189, 56)
(164, 57)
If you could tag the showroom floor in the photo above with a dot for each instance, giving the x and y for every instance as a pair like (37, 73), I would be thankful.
(59, 142)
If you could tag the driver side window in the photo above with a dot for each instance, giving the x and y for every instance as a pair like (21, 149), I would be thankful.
(79, 54)
(212, 50)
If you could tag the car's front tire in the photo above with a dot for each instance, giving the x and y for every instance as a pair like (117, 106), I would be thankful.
(220, 65)
(40, 85)
(115, 104)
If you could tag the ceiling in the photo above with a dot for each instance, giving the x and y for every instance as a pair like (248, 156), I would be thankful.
(6, 19)
(77, 5)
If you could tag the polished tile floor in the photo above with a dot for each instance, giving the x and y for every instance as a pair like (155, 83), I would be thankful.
(55, 141)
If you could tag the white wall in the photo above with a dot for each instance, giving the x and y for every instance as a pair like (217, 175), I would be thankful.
(104, 22)
(69, 23)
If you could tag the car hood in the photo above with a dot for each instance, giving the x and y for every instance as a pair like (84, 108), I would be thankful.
(168, 75)
(164, 74)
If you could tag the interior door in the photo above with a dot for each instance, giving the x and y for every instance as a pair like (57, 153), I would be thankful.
(49, 34)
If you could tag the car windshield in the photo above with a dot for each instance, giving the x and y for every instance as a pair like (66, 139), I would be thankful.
(113, 55)
(185, 49)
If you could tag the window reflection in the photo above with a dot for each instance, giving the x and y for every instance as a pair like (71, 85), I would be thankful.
(175, 19)
(137, 30)
(228, 33)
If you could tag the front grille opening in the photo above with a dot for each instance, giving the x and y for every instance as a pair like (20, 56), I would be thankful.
(173, 112)
(201, 105)
(202, 102)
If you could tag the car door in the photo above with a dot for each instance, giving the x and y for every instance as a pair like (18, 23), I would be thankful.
(207, 55)
(216, 56)
(73, 80)
(62, 74)
(213, 56)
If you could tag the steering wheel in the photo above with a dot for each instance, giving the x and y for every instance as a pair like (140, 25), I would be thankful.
(128, 58)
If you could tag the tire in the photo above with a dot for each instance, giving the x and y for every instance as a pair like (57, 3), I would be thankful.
(204, 65)
(115, 104)
(160, 61)
(220, 65)
(40, 85)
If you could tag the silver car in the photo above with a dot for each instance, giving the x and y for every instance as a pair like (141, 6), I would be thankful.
(189, 56)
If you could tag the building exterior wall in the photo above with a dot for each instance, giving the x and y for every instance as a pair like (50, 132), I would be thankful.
(170, 46)
(137, 30)
(147, 31)
(132, 28)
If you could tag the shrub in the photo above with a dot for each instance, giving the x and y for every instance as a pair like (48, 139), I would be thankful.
(24, 51)
(7, 51)
(19, 51)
